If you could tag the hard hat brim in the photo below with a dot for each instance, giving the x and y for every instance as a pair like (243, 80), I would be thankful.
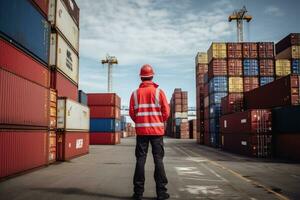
(146, 76)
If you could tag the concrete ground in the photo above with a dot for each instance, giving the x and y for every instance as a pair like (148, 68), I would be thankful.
(194, 172)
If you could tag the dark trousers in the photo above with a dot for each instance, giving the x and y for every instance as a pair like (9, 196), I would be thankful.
(141, 150)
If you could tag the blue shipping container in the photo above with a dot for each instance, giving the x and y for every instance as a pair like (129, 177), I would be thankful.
(82, 97)
(296, 66)
(250, 67)
(218, 84)
(215, 98)
(104, 125)
(22, 24)
(214, 129)
(266, 80)
(215, 111)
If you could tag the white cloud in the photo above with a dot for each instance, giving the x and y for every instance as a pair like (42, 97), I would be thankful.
(274, 11)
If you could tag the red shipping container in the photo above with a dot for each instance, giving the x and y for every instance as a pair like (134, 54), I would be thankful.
(217, 67)
(250, 50)
(22, 102)
(206, 113)
(103, 99)
(250, 83)
(64, 87)
(266, 50)
(266, 67)
(253, 145)
(43, 6)
(72, 144)
(235, 67)
(206, 138)
(22, 150)
(73, 10)
(282, 92)
(250, 121)
(287, 145)
(21, 64)
(234, 50)
(106, 138)
(291, 39)
(201, 69)
(105, 112)
(233, 102)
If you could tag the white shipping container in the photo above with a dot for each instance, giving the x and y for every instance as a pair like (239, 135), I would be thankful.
(72, 115)
(181, 115)
(63, 57)
(62, 20)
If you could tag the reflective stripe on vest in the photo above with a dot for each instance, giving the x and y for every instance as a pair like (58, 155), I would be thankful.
(149, 124)
(148, 113)
(155, 105)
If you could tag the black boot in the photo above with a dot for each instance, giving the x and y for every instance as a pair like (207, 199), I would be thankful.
(137, 196)
(163, 196)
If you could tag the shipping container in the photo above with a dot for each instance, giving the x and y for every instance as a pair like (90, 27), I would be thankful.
(181, 115)
(266, 67)
(217, 50)
(105, 138)
(282, 67)
(51, 147)
(63, 57)
(215, 98)
(234, 50)
(286, 119)
(104, 99)
(250, 50)
(292, 52)
(254, 145)
(233, 102)
(235, 67)
(218, 84)
(250, 67)
(215, 111)
(14, 18)
(282, 92)
(105, 125)
(53, 109)
(193, 129)
(105, 112)
(82, 97)
(73, 10)
(286, 146)
(201, 58)
(43, 6)
(21, 64)
(290, 40)
(265, 80)
(217, 67)
(64, 87)
(296, 66)
(235, 84)
(254, 121)
(266, 49)
(22, 150)
(72, 144)
(250, 83)
(72, 116)
(22, 102)
(61, 19)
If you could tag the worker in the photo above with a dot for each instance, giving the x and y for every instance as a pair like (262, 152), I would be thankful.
(149, 109)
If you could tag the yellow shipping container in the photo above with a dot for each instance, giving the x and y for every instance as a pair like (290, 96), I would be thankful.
(235, 84)
(201, 58)
(217, 50)
(282, 67)
(296, 52)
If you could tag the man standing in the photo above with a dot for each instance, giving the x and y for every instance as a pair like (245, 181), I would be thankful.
(149, 110)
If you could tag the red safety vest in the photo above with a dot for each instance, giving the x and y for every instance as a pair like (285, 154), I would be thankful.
(149, 109)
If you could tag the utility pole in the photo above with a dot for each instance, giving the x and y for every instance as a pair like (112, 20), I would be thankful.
(110, 61)
(240, 16)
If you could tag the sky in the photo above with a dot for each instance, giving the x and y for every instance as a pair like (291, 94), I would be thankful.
(167, 34)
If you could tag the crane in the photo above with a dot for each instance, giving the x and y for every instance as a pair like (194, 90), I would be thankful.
(110, 61)
(240, 16)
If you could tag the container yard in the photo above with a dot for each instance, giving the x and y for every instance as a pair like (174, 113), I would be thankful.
(217, 100)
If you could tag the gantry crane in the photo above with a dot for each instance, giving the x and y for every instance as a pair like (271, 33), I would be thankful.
(240, 16)
(110, 61)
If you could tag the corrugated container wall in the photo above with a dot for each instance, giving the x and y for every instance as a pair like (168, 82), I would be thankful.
(43, 5)
(217, 51)
(14, 18)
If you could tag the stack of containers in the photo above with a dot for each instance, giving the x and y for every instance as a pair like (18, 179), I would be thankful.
(73, 121)
(130, 130)
(64, 47)
(105, 124)
(217, 88)
(201, 68)
(82, 97)
(52, 125)
(288, 55)
(177, 125)
(193, 128)
(123, 127)
(24, 86)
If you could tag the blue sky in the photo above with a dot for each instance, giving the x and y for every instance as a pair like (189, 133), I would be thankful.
(167, 34)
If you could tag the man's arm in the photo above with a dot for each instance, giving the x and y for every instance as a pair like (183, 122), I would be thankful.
(165, 108)
(131, 108)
